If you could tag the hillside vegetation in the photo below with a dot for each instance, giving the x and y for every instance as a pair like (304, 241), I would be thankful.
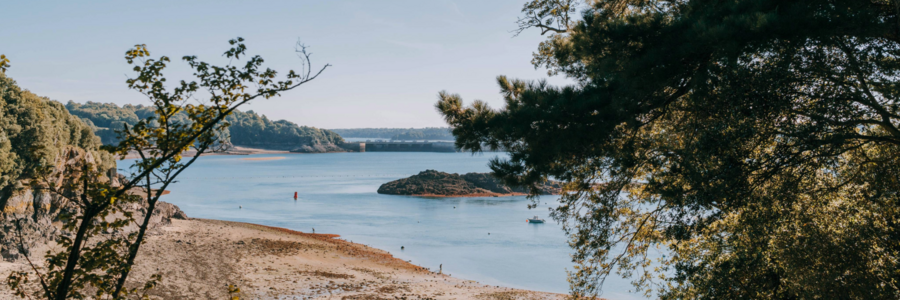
(246, 128)
(34, 131)
(251, 129)
(429, 133)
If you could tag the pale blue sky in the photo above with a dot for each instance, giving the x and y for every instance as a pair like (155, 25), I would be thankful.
(390, 57)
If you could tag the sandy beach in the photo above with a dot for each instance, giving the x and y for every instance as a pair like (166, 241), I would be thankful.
(237, 150)
(199, 258)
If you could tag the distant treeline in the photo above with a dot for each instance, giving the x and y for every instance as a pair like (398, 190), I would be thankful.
(251, 129)
(429, 133)
(246, 129)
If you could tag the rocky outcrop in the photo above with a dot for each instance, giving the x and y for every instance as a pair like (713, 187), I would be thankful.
(30, 212)
(431, 182)
(42, 146)
(441, 184)
(489, 182)
(32, 216)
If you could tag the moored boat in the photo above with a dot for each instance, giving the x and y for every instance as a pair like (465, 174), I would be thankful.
(535, 220)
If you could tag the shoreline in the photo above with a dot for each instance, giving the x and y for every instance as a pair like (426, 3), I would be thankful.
(199, 258)
(464, 196)
(238, 150)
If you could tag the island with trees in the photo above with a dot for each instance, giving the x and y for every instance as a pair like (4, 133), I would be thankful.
(433, 183)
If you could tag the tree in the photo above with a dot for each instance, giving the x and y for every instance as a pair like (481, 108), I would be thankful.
(160, 140)
(4, 63)
(755, 141)
(251, 129)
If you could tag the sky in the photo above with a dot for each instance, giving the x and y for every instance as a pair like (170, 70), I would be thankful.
(390, 58)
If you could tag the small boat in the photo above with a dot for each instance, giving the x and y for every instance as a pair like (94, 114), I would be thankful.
(534, 220)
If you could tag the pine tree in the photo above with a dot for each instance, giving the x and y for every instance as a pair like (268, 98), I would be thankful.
(755, 141)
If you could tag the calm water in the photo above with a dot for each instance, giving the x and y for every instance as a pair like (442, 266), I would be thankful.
(483, 239)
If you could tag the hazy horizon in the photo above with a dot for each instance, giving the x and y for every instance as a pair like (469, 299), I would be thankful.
(388, 64)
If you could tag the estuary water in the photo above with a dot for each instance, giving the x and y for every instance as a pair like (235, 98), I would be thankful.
(483, 238)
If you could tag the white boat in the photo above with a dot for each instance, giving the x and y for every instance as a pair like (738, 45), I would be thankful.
(535, 220)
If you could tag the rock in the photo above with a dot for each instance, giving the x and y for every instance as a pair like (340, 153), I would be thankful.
(34, 215)
(435, 183)
(180, 215)
(167, 211)
(491, 183)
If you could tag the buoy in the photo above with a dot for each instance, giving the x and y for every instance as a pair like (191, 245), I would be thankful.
(295, 195)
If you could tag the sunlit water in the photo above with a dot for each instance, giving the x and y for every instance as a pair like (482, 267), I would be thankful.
(484, 239)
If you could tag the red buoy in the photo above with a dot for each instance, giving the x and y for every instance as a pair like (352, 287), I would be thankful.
(295, 195)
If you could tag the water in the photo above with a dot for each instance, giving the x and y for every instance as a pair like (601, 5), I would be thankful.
(483, 238)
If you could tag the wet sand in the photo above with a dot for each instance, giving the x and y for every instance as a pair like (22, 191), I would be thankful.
(199, 258)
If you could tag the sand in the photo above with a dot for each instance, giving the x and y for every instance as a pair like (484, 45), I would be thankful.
(199, 258)
(236, 151)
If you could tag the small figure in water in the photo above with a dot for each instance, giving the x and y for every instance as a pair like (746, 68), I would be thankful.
(441, 269)
(240, 207)
(314, 230)
(401, 247)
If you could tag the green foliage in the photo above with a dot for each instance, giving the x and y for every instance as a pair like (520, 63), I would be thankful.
(174, 123)
(108, 119)
(34, 131)
(234, 292)
(4, 63)
(105, 118)
(245, 128)
(105, 114)
(547, 15)
(437, 133)
(249, 128)
(754, 140)
(419, 134)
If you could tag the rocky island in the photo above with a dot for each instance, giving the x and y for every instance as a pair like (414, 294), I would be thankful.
(433, 183)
